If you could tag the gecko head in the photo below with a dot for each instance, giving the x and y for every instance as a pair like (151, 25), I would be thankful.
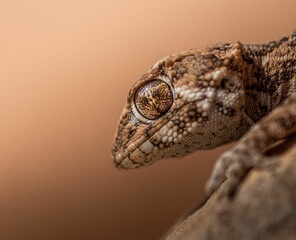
(173, 109)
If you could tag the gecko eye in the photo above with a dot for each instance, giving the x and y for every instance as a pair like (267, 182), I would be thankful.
(153, 99)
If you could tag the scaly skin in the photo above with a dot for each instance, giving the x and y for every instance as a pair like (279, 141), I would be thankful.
(203, 98)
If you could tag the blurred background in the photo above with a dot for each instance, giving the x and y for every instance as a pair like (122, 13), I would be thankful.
(65, 70)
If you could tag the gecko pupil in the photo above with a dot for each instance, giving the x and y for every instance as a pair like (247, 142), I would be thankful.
(153, 99)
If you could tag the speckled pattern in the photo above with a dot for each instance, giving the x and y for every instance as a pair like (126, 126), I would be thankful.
(203, 98)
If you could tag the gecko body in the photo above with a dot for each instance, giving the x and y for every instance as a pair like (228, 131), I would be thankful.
(203, 98)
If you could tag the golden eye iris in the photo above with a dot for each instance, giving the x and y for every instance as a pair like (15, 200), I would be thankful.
(154, 99)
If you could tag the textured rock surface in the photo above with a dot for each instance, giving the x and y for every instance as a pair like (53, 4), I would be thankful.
(264, 207)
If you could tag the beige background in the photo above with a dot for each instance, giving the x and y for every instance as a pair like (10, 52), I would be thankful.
(65, 69)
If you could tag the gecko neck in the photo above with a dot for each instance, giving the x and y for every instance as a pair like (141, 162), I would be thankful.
(271, 74)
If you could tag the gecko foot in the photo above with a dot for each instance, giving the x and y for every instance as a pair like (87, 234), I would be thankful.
(233, 166)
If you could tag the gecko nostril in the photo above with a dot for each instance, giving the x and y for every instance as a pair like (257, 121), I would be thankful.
(153, 99)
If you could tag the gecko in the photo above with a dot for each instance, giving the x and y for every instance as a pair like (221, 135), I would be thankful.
(205, 97)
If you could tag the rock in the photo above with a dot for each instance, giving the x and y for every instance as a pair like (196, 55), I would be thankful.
(264, 206)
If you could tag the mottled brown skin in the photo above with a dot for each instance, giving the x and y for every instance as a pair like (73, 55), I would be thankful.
(203, 98)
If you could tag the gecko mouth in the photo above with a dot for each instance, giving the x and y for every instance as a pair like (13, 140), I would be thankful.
(142, 151)
(129, 163)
